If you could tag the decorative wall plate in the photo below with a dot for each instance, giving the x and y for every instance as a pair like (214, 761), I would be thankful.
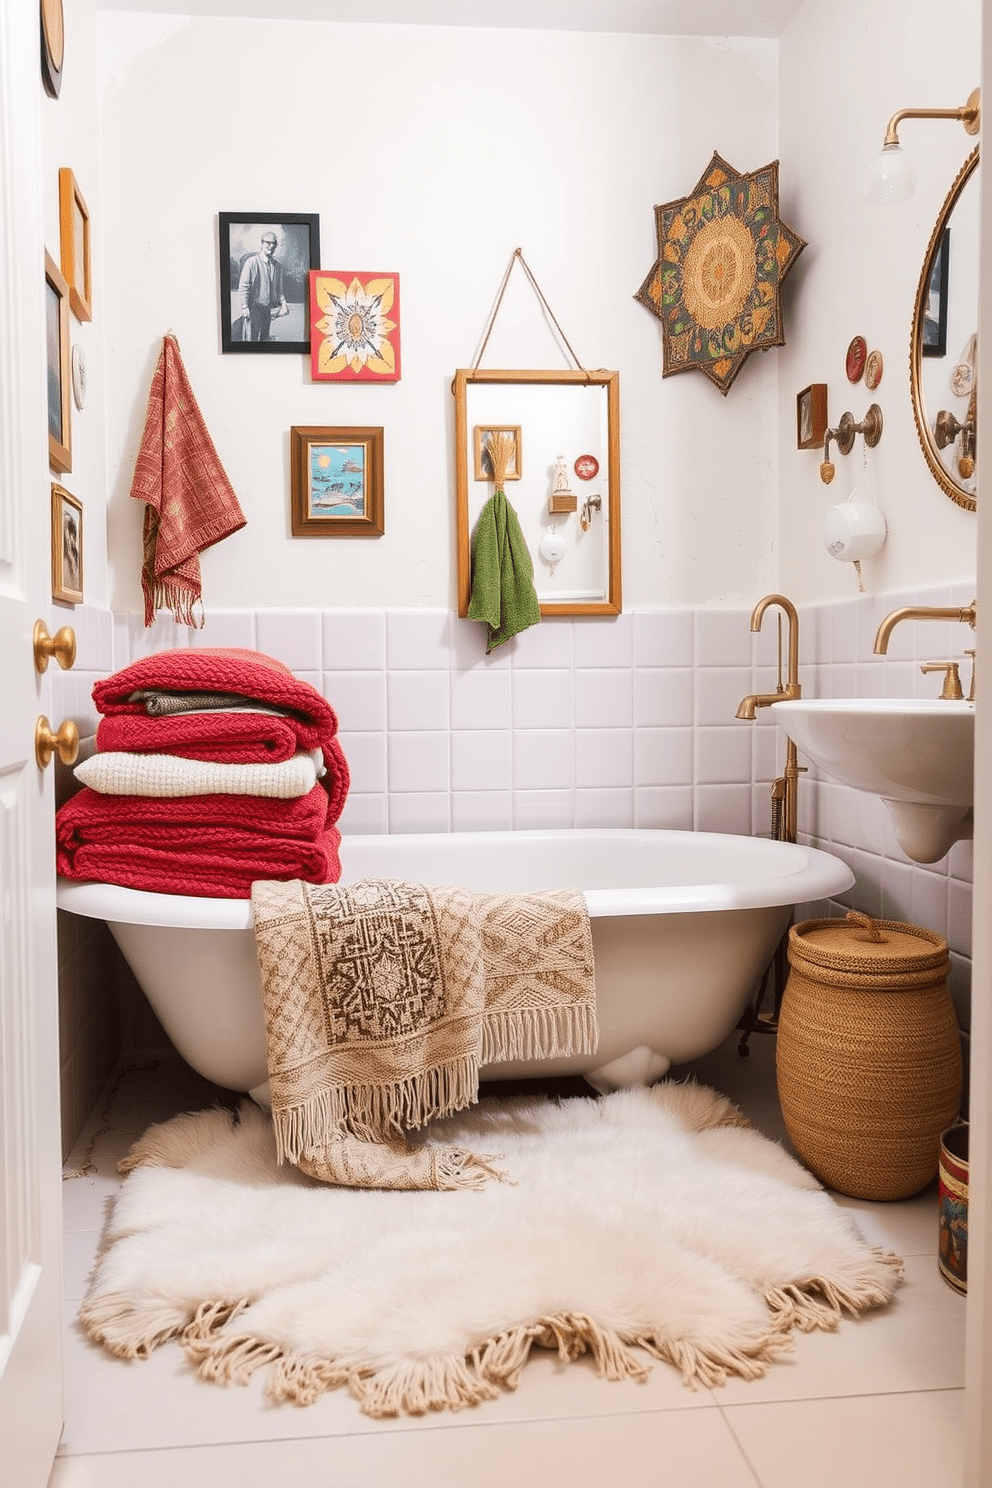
(586, 466)
(873, 370)
(78, 361)
(854, 362)
(723, 253)
(52, 46)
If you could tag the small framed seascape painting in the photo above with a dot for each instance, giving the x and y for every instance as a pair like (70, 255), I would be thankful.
(336, 482)
(67, 546)
(265, 263)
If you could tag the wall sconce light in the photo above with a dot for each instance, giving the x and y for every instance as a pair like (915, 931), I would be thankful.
(891, 177)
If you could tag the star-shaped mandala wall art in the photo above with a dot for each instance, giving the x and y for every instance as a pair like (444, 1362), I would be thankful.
(723, 253)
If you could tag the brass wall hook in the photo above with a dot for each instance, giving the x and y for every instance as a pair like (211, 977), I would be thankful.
(844, 435)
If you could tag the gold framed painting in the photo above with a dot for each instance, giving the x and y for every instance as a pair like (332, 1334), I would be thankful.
(811, 416)
(74, 242)
(59, 373)
(67, 546)
(483, 463)
(336, 482)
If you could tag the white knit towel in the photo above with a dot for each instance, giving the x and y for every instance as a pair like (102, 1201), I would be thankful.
(121, 773)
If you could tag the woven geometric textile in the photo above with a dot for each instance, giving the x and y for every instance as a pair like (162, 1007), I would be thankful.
(647, 1224)
(384, 997)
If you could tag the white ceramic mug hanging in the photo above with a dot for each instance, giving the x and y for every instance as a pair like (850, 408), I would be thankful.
(854, 530)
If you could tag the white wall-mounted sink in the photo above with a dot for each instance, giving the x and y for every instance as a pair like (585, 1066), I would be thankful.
(917, 754)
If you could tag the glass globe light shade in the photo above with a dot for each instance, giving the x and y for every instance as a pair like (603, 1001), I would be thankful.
(891, 177)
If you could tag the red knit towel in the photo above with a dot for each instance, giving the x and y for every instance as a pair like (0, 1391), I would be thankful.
(233, 738)
(189, 502)
(211, 845)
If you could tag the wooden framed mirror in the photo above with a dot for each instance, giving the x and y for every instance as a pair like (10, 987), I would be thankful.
(943, 357)
(566, 427)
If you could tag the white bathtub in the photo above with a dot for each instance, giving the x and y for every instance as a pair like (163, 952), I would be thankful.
(684, 924)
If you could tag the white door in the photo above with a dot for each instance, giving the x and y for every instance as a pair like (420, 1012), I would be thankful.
(30, 1196)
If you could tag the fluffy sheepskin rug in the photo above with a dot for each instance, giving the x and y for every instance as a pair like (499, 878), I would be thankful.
(648, 1222)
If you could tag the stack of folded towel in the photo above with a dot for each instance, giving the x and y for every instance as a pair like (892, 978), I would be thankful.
(214, 768)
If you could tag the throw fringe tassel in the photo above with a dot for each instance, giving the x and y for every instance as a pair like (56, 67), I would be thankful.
(543, 1033)
(819, 1302)
(127, 1331)
(709, 1365)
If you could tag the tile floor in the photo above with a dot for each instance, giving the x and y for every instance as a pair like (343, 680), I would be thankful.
(877, 1404)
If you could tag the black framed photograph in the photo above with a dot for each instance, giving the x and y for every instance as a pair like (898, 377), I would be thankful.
(265, 263)
(934, 339)
(58, 370)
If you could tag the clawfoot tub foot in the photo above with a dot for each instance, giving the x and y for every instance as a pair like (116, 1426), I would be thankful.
(640, 1066)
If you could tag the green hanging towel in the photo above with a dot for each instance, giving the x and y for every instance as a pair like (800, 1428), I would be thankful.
(503, 593)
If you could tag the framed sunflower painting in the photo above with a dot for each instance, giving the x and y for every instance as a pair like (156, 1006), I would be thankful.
(354, 326)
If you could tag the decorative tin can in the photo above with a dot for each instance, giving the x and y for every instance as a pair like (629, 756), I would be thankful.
(952, 1186)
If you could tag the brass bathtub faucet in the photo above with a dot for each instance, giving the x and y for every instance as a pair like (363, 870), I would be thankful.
(784, 791)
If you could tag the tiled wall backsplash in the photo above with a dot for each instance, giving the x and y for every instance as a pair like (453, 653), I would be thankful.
(586, 723)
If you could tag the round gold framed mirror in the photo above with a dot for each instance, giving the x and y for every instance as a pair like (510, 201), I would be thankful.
(944, 347)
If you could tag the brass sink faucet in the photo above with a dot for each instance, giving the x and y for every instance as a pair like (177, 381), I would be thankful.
(784, 804)
(967, 615)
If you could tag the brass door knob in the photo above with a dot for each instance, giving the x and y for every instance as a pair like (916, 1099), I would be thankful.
(62, 645)
(65, 743)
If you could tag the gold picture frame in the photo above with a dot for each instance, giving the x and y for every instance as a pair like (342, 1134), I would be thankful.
(59, 370)
(336, 482)
(483, 464)
(67, 546)
(811, 416)
(74, 244)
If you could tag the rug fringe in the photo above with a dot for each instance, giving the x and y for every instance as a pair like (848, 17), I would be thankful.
(709, 1365)
(819, 1302)
(128, 1331)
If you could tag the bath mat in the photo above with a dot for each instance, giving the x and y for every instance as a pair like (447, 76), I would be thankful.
(646, 1223)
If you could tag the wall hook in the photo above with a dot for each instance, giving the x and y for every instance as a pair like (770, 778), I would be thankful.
(591, 504)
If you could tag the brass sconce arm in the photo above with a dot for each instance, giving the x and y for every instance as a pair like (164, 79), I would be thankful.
(970, 116)
(844, 434)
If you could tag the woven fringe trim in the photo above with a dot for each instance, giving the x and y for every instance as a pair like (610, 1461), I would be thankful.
(539, 1033)
(819, 1302)
(373, 1113)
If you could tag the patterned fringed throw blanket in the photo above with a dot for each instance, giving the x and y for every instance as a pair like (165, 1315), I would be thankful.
(384, 997)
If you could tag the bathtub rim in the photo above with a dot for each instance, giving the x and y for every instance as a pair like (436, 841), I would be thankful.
(813, 875)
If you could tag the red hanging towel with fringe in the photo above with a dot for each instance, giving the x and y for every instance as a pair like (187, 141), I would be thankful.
(189, 502)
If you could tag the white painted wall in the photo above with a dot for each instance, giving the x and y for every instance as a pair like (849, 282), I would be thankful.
(844, 69)
(434, 152)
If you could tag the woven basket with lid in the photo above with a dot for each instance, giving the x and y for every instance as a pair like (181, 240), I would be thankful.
(868, 1054)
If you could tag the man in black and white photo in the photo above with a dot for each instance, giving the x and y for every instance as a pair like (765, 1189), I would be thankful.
(261, 289)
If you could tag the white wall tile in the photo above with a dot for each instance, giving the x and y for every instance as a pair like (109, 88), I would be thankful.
(543, 699)
(292, 637)
(719, 690)
(227, 628)
(723, 638)
(929, 904)
(664, 639)
(481, 760)
(843, 633)
(551, 810)
(604, 697)
(723, 756)
(604, 642)
(353, 640)
(417, 762)
(669, 807)
(663, 757)
(542, 760)
(468, 647)
(959, 916)
(546, 645)
(358, 699)
(418, 639)
(481, 811)
(723, 808)
(480, 699)
(364, 813)
(417, 700)
(604, 808)
(663, 698)
(603, 757)
(420, 812)
(366, 756)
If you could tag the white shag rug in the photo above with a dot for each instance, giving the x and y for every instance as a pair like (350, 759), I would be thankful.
(648, 1222)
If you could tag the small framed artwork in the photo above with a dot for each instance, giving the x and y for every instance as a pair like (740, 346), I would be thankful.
(59, 373)
(265, 264)
(811, 416)
(355, 326)
(67, 546)
(336, 485)
(933, 342)
(74, 239)
(483, 464)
